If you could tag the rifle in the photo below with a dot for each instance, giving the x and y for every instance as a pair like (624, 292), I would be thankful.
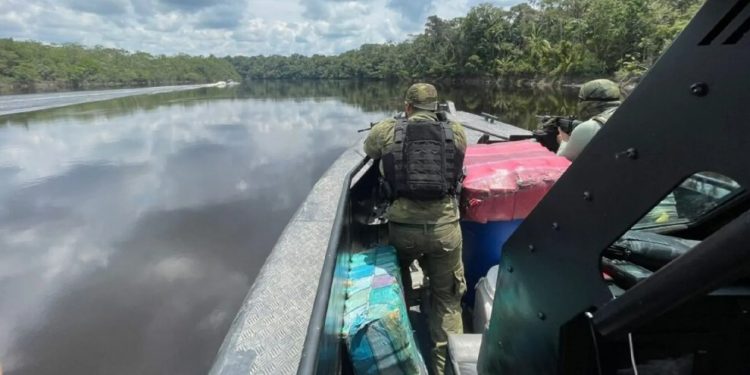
(564, 123)
(366, 129)
(441, 114)
(548, 129)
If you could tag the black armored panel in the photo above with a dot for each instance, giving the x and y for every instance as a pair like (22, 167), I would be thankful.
(690, 114)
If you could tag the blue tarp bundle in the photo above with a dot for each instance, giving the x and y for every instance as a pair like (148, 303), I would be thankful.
(376, 325)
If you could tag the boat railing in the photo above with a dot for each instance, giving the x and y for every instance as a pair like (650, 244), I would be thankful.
(309, 361)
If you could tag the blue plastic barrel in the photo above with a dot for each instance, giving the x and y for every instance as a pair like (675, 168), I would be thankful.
(482, 249)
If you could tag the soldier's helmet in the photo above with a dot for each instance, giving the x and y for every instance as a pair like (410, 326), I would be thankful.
(599, 90)
(422, 96)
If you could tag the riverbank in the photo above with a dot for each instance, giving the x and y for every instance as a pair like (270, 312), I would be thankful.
(28, 66)
(47, 87)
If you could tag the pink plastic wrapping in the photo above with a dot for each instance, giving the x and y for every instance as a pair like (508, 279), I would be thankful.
(505, 181)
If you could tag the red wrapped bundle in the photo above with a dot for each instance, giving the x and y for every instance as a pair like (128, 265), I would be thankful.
(505, 181)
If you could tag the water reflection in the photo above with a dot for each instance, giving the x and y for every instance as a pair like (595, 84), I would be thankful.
(131, 230)
(512, 104)
(517, 106)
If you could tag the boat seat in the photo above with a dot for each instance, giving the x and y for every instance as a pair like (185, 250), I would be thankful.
(463, 353)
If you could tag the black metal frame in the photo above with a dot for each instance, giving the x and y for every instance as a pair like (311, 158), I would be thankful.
(688, 115)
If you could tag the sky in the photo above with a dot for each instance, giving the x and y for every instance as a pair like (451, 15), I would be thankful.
(228, 27)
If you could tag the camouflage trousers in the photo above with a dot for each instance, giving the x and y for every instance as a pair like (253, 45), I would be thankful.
(441, 247)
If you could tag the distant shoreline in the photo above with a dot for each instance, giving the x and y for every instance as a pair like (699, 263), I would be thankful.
(23, 103)
(47, 87)
(509, 82)
(28, 66)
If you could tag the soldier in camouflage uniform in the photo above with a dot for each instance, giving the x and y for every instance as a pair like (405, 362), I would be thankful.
(598, 100)
(428, 228)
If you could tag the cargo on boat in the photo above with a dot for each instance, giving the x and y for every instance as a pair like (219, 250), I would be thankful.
(633, 259)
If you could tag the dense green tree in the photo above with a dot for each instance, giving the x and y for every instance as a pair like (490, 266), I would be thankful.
(28, 64)
(550, 39)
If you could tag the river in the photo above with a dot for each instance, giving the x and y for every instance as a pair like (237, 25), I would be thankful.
(131, 229)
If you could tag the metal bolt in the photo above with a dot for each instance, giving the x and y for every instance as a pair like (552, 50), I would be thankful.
(531, 248)
(587, 196)
(555, 226)
(541, 315)
(699, 89)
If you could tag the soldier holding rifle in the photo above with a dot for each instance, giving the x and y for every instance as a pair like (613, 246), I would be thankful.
(598, 100)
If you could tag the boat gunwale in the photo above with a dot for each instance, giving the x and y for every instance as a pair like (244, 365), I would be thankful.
(315, 328)
(246, 347)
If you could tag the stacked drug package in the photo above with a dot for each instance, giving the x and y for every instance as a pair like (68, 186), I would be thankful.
(376, 328)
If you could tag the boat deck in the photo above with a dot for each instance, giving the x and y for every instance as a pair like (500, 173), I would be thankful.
(475, 126)
(267, 335)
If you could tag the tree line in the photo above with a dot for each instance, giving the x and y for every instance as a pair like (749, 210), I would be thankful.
(543, 38)
(28, 64)
(551, 39)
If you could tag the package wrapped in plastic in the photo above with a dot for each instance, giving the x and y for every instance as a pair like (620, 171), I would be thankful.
(505, 181)
(376, 328)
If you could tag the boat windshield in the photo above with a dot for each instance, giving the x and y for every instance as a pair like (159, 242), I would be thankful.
(696, 197)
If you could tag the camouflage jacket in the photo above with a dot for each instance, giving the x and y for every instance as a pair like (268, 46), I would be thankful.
(583, 134)
(409, 211)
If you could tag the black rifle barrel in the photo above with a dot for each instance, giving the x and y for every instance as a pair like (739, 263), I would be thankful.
(489, 116)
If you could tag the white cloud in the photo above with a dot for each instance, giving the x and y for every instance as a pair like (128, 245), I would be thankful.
(233, 27)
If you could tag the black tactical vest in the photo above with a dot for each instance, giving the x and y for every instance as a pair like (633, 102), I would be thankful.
(423, 163)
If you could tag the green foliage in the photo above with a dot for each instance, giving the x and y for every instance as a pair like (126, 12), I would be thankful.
(546, 38)
(553, 39)
(73, 66)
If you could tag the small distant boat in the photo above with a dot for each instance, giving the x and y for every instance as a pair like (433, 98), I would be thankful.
(220, 84)
(231, 83)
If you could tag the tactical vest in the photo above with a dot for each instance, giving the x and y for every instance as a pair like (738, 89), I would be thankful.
(423, 163)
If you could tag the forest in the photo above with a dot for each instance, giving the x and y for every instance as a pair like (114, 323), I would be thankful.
(24, 64)
(551, 40)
